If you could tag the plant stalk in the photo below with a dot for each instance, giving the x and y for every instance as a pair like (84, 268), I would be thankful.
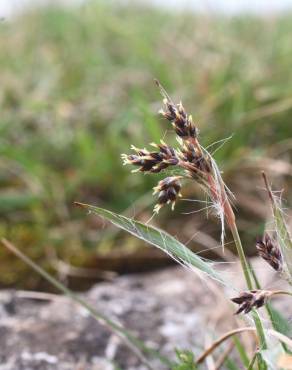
(219, 341)
(241, 255)
(231, 221)
(230, 218)
(283, 292)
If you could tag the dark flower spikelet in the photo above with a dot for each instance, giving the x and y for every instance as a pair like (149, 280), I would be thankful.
(269, 250)
(168, 191)
(181, 122)
(152, 162)
(251, 299)
(190, 158)
(193, 159)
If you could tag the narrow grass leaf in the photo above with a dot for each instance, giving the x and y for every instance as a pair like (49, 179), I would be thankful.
(159, 239)
(230, 364)
(241, 351)
(283, 235)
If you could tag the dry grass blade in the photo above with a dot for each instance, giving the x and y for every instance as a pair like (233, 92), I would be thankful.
(282, 231)
(280, 337)
(222, 339)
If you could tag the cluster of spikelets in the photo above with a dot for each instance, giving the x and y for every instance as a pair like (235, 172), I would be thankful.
(189, 156)
(198, 164)
(276, 251)
(268, 248)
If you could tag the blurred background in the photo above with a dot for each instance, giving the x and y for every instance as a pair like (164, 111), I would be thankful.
(77, 90)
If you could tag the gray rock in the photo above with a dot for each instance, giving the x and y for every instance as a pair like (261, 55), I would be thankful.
(173, 308)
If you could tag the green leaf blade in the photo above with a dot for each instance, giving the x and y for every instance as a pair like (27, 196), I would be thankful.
(159, 239)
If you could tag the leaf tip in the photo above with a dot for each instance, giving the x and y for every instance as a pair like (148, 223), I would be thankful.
(81, 205)
(268, 187)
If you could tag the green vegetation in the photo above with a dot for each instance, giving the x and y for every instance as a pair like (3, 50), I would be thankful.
(77, 89)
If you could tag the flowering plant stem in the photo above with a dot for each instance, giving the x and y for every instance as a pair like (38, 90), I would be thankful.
(199, 165)
(241, 255)
(221, 196)
(230, 217)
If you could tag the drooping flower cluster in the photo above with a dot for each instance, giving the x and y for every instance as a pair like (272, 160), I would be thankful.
(181, 122)
(251, 299)
(190, 156)
(193, 159)
(269, 250)
(168, 190)
(152, 162)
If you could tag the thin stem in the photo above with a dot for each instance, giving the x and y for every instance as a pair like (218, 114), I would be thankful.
(260, 329)
(281, 292)
(231, 221)
(245, 268)
(268, 307)
(252, 361)
(241, 351)
(222, 339)
(242, 258)
(270, 194)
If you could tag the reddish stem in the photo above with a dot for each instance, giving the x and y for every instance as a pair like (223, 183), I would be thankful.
(223, 200)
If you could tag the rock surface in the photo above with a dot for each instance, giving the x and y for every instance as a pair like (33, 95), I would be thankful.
(173, 308)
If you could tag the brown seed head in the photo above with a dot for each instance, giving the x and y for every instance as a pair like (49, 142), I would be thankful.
(152, 162)
(168, 191)
(181, 122)
(192, 155)
(269, 250)
(251, 299)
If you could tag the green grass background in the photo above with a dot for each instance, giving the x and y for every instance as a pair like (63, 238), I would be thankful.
(77, 89)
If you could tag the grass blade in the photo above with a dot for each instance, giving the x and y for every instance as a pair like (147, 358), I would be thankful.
(159, 239)
(241, 351)
(283, 235)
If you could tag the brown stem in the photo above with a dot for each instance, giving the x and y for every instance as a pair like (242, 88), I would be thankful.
(222, 339)
(231, 221)
(223, 199)
(280, 292)
(268, 187)
(229, 214)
